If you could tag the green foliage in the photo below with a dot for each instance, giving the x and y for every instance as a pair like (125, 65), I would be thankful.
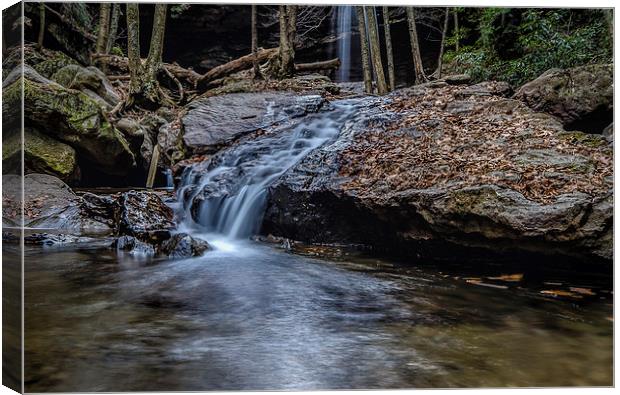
(518, 45)
(176, 10)
(116, 50)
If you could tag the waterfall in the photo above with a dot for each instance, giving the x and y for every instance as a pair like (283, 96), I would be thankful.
(344, 14)
(227, 196)
(169, 179)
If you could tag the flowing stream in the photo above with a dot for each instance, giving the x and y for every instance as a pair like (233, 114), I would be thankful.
(236, 182)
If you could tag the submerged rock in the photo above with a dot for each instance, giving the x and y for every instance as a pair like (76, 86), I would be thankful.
(581, 97)
(494, 181)
(133, 246)
(50, 239)
(182, 245)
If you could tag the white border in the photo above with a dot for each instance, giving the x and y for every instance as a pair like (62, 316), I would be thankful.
(477, 3)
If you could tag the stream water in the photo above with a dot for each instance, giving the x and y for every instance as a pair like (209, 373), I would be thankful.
(249, 316)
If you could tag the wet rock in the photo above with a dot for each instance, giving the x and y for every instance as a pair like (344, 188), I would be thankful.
(73, 118)
(182, 245)
(145, 216)
(215, 122)
(133, 246)
(48, 204)
(540, 195)
(581, 97)
(42, 154)
(102, 209)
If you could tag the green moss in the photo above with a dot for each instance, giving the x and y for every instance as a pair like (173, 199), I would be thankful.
(42, 154)
(74, 119)
(48, 67)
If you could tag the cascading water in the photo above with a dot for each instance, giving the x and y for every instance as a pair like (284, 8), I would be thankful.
(344, 15)
(228, 197)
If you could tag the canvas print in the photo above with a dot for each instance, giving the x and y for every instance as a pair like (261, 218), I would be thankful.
(201, 197)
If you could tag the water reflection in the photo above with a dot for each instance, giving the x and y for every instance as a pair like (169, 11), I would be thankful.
(248, 316)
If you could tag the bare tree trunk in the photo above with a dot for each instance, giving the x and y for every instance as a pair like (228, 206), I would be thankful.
(361, 23)
(288, 31)
(151, 91)
(443, 44)
(133, 47)
(388, 48)
(415, 47)
(609, 19)
(104, 27)
(457, 33)
(255, 43)
(116, 13)
(375, 54)
(153, 61)
(41, 25)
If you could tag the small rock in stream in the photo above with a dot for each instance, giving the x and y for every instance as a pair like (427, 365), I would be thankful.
(183, 245)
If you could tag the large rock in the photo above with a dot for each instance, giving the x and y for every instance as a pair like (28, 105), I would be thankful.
(48, 204)
(73, 118)
(145, 216)
(42, 154)
(214, 122)
(581, 97)
(493, 181)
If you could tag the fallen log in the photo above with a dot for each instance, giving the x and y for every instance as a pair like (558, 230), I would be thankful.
(323, 65)
(122, 63)
(234, 66)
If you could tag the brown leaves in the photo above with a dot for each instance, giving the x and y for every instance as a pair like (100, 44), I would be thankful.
(430, 146)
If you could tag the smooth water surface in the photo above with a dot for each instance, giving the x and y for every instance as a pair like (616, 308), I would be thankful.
(249, 316)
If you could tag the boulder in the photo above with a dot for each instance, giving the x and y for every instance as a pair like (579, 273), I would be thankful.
(48, 204)
(182, 245)
(42, 154)
(89, 80)
(496, 181)
(145, 216)
(73, 118)
(215, 122)
(581, 97)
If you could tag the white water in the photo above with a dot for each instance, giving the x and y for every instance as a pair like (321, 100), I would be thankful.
(344, 14)
(235, 184)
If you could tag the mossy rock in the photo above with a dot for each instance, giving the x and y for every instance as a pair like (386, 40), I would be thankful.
(42, 154)
(73, 118)
(46, 62)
